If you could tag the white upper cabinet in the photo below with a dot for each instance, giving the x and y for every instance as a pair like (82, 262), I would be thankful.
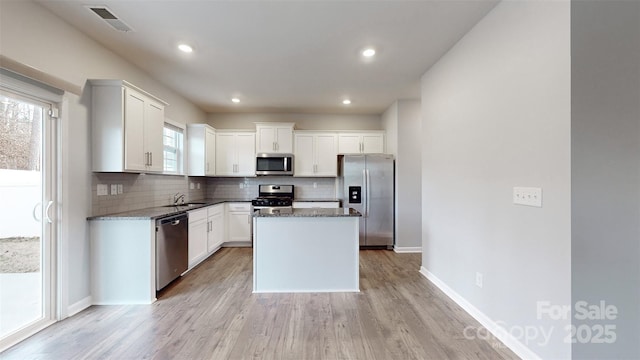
(201, 145)
(235, 153)
(274, 137)
(316, 154)
(127, 127)
(361, 142)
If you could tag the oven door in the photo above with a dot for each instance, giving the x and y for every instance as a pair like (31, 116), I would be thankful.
(274, 164)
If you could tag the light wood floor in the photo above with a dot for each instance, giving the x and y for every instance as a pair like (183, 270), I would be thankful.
(211, 314)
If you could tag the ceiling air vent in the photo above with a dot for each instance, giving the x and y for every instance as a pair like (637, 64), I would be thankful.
(106, 15)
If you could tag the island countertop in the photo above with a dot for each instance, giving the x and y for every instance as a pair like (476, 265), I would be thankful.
(313, 212)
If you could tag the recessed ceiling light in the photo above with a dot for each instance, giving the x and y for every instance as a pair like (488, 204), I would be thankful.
(185, 48)
(346, 101)
(369, 52)
(235, 100)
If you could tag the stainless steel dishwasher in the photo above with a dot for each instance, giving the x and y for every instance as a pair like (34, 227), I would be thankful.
(172, 248)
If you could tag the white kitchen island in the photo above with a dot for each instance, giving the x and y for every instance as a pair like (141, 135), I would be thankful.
(306, 250)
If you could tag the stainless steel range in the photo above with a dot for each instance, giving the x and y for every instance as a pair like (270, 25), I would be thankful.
(273, 197)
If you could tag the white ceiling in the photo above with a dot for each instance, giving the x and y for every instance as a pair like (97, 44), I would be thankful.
(282, 56)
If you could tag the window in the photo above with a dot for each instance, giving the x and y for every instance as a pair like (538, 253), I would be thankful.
(173, 140)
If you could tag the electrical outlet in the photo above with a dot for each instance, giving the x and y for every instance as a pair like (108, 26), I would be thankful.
(315, 185)
(529, 196)
(479, 279)
(191, 186)
(102, 190)
(198, 186)
(120, 189)
(114, 189)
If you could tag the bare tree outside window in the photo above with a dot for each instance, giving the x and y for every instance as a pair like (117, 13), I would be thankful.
(20, 131)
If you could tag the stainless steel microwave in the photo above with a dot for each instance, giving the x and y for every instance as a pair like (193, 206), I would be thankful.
(274, 164)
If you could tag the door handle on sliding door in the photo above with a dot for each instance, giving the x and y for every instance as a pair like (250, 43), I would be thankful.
(46, 212)
(35, 212)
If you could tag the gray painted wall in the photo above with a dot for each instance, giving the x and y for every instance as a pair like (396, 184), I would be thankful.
(302, 121)
(389, 121)
(409, 175)
(53, 46)
(605, 167)
(496, 114)
(402, 123)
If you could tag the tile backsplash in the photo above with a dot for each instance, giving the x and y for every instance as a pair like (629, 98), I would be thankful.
(146, 190)
(230, 188)
(142, 191)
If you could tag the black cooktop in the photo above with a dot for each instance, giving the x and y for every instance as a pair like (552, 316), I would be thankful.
(272, 201)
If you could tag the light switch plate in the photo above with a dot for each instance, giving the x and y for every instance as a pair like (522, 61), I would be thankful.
(120, 189)
(114, 189)
(529, 196)
(191, 186)
(102, 190)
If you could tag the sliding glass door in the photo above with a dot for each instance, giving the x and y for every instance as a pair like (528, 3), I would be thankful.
(27, 213)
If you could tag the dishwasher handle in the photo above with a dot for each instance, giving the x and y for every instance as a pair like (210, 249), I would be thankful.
(173, 220)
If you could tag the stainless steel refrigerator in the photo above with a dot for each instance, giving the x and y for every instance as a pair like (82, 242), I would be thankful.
(366, 183)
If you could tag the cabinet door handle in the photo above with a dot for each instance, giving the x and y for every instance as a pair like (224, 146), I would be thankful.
(249, 219)
(150, 158)
(207, 166)
(277, 146)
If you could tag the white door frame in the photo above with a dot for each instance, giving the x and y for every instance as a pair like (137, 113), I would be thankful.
(50, 99)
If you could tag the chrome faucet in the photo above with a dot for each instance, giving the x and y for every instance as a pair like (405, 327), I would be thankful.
(178, 197)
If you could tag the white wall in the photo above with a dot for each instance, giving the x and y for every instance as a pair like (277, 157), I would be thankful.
(302, 121)
(605, 187)
(34, 36)
(496, 114)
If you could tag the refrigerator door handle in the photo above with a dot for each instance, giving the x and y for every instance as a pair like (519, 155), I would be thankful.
(368, 192)
(364, 193)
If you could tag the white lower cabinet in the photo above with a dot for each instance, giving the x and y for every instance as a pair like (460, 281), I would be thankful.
(238, 224)
(198, 227)
(206, 232)
(123, 258)
(215, 227)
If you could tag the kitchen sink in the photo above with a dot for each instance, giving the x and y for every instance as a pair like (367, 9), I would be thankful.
(191, 204)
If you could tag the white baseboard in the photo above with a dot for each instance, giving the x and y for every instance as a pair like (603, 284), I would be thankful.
(496, 330)
(79, 306)
(407, 249)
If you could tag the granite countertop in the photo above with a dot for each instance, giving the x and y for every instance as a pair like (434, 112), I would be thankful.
(316, 200)
(162, 211)
(315, 212)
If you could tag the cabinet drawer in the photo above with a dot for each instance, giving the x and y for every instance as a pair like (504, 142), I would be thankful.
(215, 210)
(239, 206)
(197, 215)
